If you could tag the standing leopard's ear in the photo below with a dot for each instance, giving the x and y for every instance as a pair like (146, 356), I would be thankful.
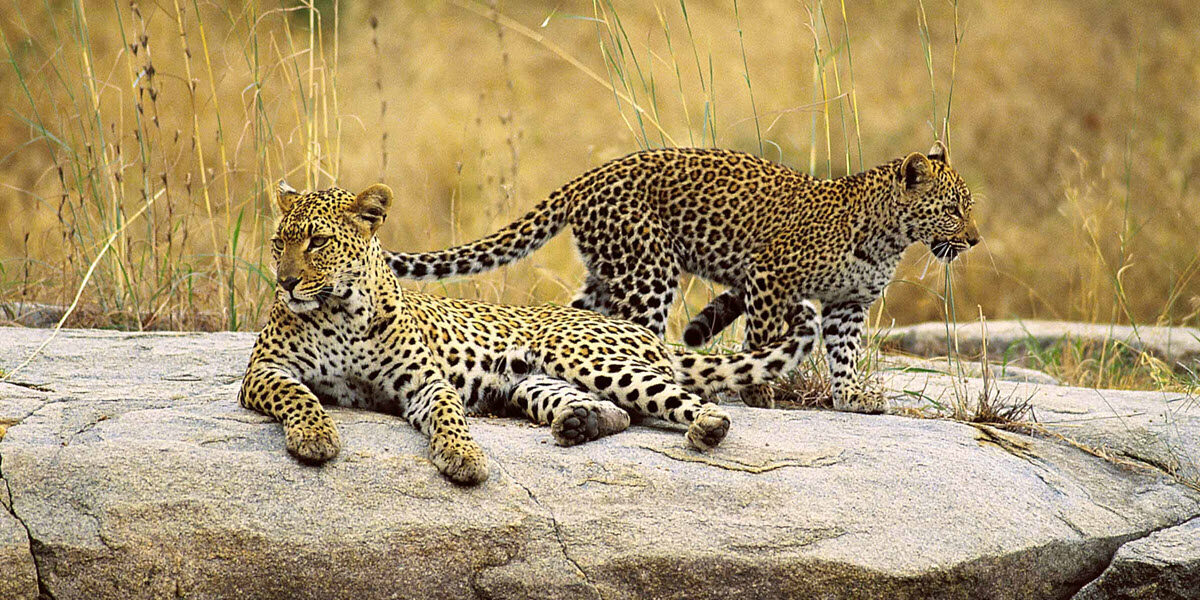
(285, 196)
(940, 152)
(915, 174)
(370, 207)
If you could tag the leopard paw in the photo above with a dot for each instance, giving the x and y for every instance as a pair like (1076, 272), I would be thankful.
(581, 422)
(709, 427)
(759, 396)
(314, 444)
(869, 402)
(463, 461)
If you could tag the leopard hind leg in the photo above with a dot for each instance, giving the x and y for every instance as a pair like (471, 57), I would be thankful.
(646, 391)
(575, 416)
(645, 296)
(593, 296)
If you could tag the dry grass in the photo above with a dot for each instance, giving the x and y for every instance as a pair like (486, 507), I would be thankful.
(805, 388)
(1110, 365)
(1072, 121)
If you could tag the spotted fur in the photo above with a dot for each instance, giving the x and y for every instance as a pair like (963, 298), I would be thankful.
(342, 331)
(775, 236)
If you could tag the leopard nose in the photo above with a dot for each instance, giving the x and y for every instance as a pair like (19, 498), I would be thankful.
(289, 283)
(972, 236)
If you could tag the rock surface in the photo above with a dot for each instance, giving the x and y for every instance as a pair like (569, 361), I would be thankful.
(1013, 339)
(999, 372)
(1162, 566)
(18, 575)
(138, 476)
(18, 578)
(1160, 429)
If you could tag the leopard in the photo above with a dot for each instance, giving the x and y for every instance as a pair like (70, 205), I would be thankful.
(341, 331)
(774, 236)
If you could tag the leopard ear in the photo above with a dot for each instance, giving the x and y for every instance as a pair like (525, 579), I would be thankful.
(939, 152)
(370, 207)
(916, 172)
(285, 196)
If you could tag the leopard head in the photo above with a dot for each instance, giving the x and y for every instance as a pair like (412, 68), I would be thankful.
(935, 204)
(322, 243)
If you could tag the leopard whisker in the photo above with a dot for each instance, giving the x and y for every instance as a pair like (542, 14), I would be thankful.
(929, 259)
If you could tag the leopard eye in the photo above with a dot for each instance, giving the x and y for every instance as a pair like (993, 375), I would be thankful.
(317, 241)
(277, 244)
(955, 211)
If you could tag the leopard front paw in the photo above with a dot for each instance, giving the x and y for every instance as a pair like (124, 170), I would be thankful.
(314, 443)
(585, 421)
(868, 401)
(462, 461)
(759, 396)
(709, 427)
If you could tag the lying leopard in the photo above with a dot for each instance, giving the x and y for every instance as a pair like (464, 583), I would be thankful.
(342, 331)
(775, 236)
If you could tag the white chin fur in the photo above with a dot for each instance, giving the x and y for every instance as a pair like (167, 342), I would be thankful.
(301, 306)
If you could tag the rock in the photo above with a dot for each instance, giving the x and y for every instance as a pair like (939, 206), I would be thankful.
(1159, 429)
(18, 577)
(139, 476)
(1162, 566)
(1012, 340)
(999, 372)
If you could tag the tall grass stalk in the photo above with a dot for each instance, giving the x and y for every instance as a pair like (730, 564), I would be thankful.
(853, 88)
(557, 50)
(837, 82)
(707, 89)
(108, 244)
(219, 250)
(737, 15)
(927, 46)
(150, 124)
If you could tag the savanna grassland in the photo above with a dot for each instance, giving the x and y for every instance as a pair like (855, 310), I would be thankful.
(139, 142)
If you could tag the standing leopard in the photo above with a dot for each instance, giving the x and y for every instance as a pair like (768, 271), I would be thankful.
(342, 331)
(775, 236)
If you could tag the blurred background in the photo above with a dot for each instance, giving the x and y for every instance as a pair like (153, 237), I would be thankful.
(139, 142)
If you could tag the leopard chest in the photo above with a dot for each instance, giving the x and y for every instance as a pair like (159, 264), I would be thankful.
(856, 276)
(341, 359)
(346, 374)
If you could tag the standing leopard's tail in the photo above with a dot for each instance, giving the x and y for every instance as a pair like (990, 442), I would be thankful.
(511, 243)
(707, 374)
(719, 314)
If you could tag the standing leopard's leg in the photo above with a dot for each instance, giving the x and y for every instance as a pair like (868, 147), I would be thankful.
(637, 265)
(643, 390)
(575, 416)
(625, 246)
(593, 296)
(310, 432)
(645, 295)
(843, 329)
(766, 321)
(436, 410)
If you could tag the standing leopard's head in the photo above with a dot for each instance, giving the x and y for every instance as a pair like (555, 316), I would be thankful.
(322, 241)
(935, 204)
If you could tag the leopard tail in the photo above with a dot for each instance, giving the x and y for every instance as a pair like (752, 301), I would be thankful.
(510, 244)
(719, 314)
(711, 373)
